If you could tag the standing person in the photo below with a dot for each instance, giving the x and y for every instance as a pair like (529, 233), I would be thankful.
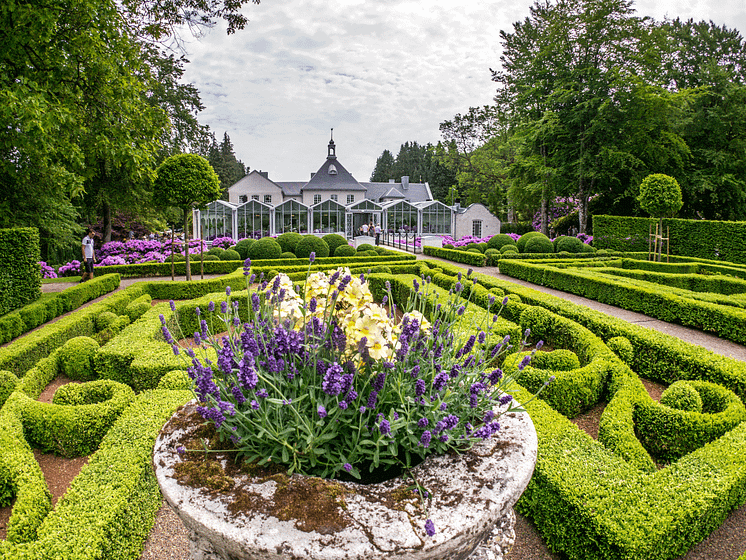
(364, 228)
(378, 234)
(89, 255)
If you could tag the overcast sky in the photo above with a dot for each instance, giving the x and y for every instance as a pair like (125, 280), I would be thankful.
(380, 72)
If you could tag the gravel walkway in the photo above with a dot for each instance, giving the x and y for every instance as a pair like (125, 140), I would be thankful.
(168, 539)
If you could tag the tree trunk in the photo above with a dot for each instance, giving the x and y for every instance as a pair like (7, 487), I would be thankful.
(582, 207)
(106, 215)
(544, 214)
(186, 245)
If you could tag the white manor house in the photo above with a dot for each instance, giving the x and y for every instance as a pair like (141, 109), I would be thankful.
(333, 201)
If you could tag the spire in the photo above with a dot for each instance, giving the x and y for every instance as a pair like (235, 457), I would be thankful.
(332, 149)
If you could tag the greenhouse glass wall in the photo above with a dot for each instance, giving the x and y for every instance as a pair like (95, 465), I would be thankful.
(253, 220)
(328, 217)
(291, 216)
(401, 216)
(436, 218)
(217, 220)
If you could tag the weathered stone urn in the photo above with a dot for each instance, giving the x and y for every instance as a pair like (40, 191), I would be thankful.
(232, 514)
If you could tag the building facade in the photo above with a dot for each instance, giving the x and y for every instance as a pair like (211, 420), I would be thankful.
(333, 201)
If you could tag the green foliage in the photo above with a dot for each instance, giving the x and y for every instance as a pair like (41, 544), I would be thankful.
(230, 255)
(523, 239)
(76, 358)
(622, 348)
(175, 380)
(8, 383)
(334, 240)
(243, 247)
(138, 307)
(311, 244)
(660, 195)
(212, 258)
(20, 275)
(217, 251)
(682, 396)
(288, 241)
(509, 249)
(569, 244)
(499, 241)
(465, 257)
(265, 248)
(345, 251)
(538, 244)
(288, 255)
(366, 247)
(222, 159)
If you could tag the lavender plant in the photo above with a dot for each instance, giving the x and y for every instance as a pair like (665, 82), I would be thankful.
(324, 381)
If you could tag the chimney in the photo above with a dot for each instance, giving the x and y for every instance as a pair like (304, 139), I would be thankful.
(405, 182)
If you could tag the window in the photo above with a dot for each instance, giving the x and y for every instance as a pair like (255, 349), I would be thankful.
(291, 216)
(253, 220)
(316, 198)
(436, 218)
(267, 199)
(328, 217)
(334, 197)
(350, 198)
(401, 217)
(476, 228)
(254, 197)
(243, 198)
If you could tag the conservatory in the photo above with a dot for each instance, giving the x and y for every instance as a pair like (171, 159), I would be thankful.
(253, 220)
(216, 220)
(328, 217)
(436, 218)
(400, 217)
(291, 216)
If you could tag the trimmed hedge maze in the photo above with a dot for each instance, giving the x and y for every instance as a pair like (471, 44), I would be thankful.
(702, 295)
(605, 499)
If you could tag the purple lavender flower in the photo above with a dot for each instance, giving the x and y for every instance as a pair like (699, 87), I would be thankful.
(505, 300)
(347, 467)
(429, 527)
(384, 427)
(173, 305)
(425, 439)
(321, 411)
(180, 450)
(419, 387)
(423, 422)
(332, 384)
(440, 381)
(312, 257)
(211, 306)
(539, 344)
(505, 399)
(262, 393)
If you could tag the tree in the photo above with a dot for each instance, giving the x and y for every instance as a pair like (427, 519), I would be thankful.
(223, 160)
(660, 196)
(185, 181)
(383, 171)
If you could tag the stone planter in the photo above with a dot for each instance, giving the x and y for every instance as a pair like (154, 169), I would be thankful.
(234, 515)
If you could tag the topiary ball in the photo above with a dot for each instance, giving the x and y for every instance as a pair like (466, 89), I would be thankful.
(344, 251)
(177, 257)
(623, 348)
(482, 247)
(104, 320)
(265, 248)
(211, 258)
(682, 396)
(217, 251)
(365, 247)
(334, 240)
(288, 241)
(523, 239)
(568, 244)
(368, 253)
(509, 249)
(175, 380)
(243, 247)
(311, 244)
(539, 244)
(585, 248)
(499, 240)
(76, 358)
(288, 255)
(557, 360)
(230, 255)
(8, 382)
(474, 250)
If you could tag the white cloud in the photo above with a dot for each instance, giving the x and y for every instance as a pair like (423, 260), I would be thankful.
(380, 73)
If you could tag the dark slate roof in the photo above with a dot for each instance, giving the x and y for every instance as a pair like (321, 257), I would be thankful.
(416, 192)
(342, 180)
(290, 188)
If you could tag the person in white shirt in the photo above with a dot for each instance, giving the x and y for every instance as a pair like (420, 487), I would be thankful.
(364, 229)
(89, 255)
(378, 234)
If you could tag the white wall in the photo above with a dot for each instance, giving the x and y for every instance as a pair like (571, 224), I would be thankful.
(464, 222)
